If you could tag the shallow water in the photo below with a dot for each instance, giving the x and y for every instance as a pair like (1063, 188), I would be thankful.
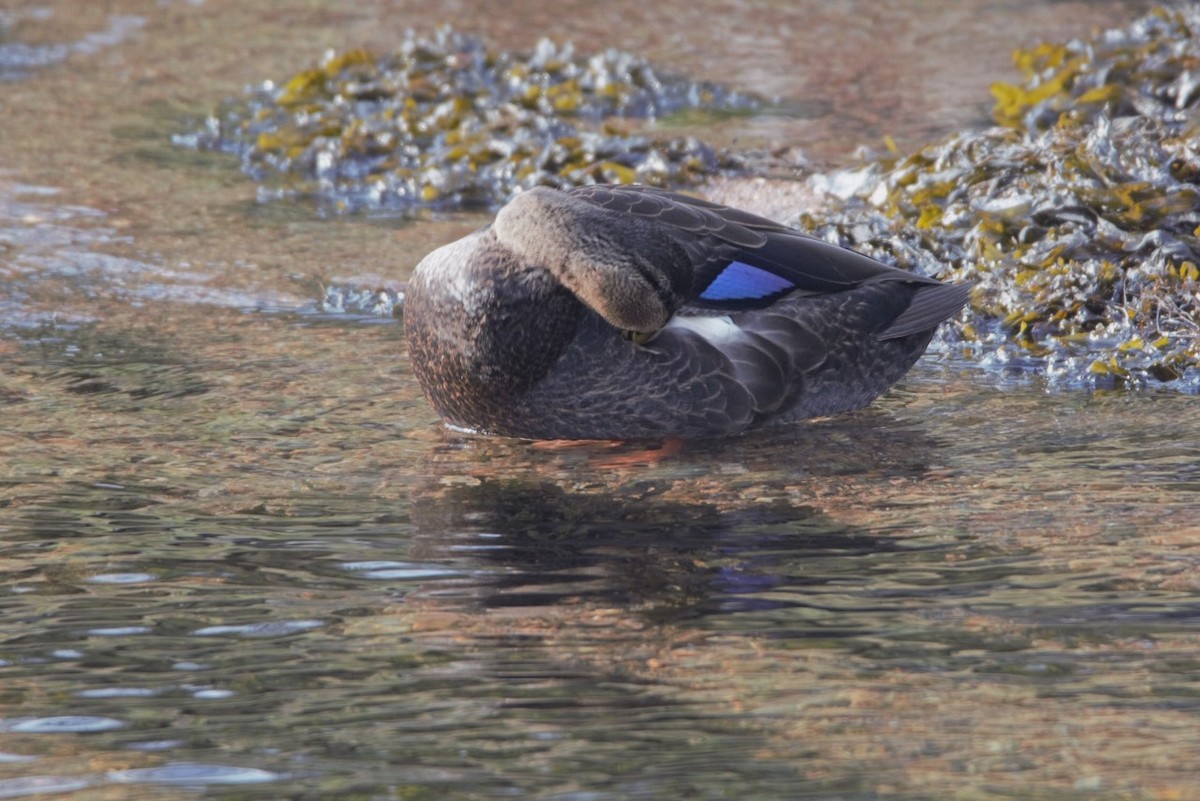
(240, 558)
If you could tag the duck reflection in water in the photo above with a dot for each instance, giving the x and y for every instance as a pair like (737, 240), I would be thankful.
(634, 548)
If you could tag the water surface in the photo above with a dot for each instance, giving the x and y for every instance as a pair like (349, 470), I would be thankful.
(240, 558)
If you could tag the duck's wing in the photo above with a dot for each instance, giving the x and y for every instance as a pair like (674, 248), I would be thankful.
(783, 316)
(740, 260)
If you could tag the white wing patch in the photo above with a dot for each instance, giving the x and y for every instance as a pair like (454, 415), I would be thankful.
(717, 330)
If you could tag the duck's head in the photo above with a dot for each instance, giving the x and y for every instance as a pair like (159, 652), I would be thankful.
(626, 269)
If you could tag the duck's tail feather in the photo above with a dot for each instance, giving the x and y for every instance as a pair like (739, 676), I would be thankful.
(931, 305)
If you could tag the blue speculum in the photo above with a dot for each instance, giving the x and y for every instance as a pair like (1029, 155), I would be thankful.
(741, 281)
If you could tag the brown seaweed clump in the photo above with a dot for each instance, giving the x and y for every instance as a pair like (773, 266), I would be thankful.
(1078, 216)
(444, 122)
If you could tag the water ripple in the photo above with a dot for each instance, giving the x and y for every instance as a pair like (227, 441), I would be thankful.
(58, 724)
(269, 629)
(121, 578)
(191, 773)
(407, 571)
(41, 785)
(117, 692)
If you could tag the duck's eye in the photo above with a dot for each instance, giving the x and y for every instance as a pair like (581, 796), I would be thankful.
(638, 337)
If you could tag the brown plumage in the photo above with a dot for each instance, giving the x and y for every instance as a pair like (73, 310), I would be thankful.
(531, 327)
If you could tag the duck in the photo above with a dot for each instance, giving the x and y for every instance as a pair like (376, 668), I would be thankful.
(627, 312)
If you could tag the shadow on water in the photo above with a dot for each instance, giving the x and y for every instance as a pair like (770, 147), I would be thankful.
(674, 561)
(129, 365)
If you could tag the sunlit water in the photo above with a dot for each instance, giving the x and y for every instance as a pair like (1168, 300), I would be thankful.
(240, 558)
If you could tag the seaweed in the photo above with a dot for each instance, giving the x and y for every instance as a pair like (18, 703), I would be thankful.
(1077, 217)
(445, 122)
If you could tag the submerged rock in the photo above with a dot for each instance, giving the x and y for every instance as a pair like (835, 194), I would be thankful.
(444, 121)
(1078, 216)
